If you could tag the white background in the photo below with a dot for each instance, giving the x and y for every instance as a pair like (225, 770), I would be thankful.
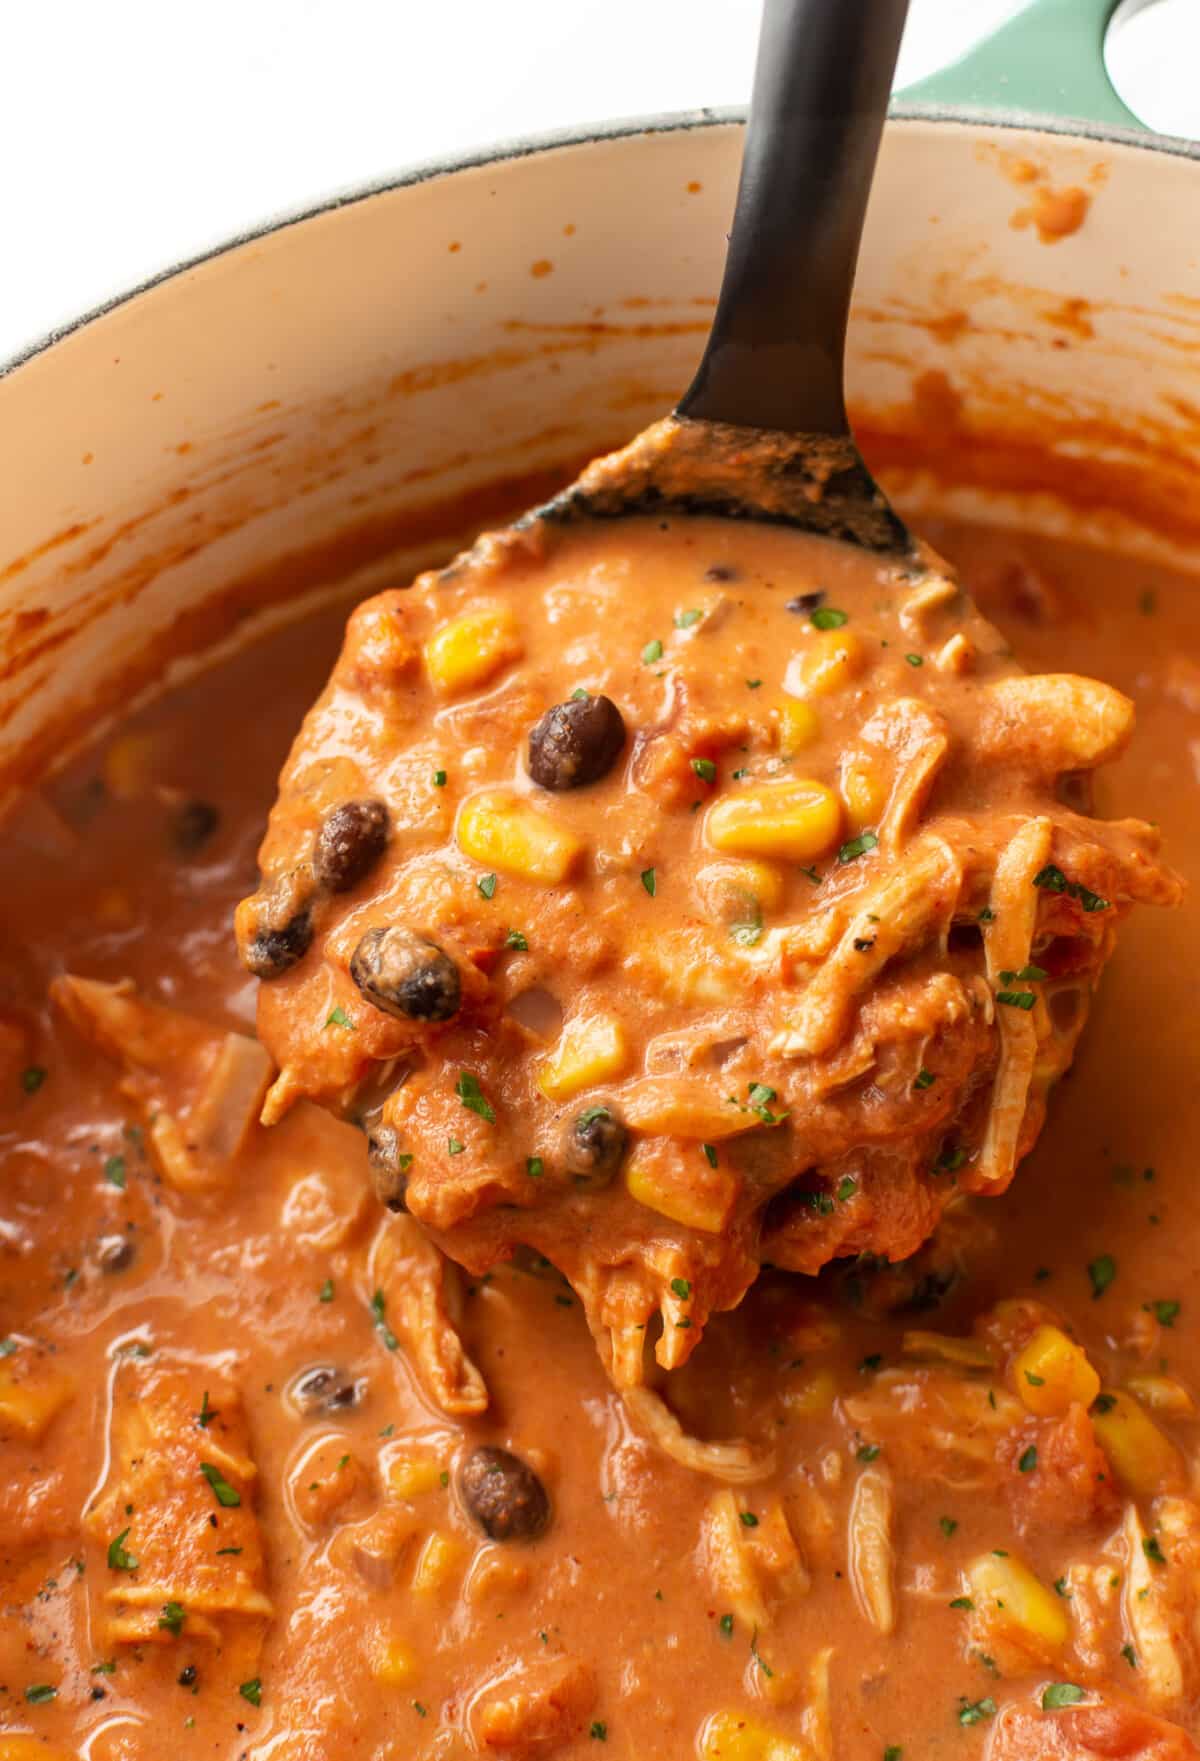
(137, 132)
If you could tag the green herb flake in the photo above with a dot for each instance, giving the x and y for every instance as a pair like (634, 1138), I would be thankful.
(32, 1078)
(893, 1752)
(947, 1524)
(847, 1186)
(709, 1152)
(107, 1667)
(650, 881)
(869, 1364)
(827, 617)
(114, 1172)
(454, 1146)
(1035, 1381)
(976, 1711)
(1027, 1460)
(685, 619)
(207, 1413)
(915, 659)
(1017, 999)
(472, 1096)
(1130, 1656)
(963, 1602)
(867, 1452)
(252, 1690)
(1165, 1313)
(749, 1520)
(1051, 879)
(753, 684)
(746, 935)
(379, 1316)
(222, 1551)
(534, 1167)
(226, 1495)
(758, 1658)
(1058, 1694)
(119, 1559)
(7, 1347)
(705, 769)
(487, 885)
(325, 1294)
(1101, 1271)
(40, 1694)
(599, 1731)
(514, 939)
(1153, 1551)
(651, 652)
(339, 1018)
(924, 1079)
(857, 847)
(725, 1626)
(1060, 1589)
(439, 779)
(172, 1617)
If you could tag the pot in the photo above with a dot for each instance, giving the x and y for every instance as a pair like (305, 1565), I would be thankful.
(334, 400)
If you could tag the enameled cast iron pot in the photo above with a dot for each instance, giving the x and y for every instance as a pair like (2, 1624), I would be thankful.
(324, 404)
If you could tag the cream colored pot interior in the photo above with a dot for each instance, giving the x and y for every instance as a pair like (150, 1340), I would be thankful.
(311, 405)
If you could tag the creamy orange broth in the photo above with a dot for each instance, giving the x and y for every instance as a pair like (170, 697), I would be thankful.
(395, 1628)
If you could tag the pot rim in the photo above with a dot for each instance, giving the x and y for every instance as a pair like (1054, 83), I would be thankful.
(517, 147)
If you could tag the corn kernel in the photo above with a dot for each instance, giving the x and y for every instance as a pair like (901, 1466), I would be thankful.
(1143, 1457)
(1008, 1596)
(1051, 1372)
(832, 659)
(591, 1050)
(796, 820)
(408, 1476)
(19, 1747)
(437, 1562)
(392, 1662)
(813, 1396)
(28, 1405)
(797, 724)
(504, 833)
(948, 1348)
(470, 649)
(864, 791)
(735, 1736)
(661, 1176)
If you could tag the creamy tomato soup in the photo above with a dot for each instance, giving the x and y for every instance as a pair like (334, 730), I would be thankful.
(277, 1482)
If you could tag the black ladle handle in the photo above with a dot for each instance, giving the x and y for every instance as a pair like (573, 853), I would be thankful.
(821, 87)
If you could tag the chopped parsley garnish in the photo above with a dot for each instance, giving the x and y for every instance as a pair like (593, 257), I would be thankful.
(915, 659)
(32, 1078)
(1130, 1656)
(847, 1186)
(40, 1693)
(747, 934)
(725, 1624)
(1035, 1381)
(1027, 1460)
(754, 1652)
(339, 1018)
(487, 885)
(108, 1667)
(599, 1730)
(1060, 1589)
(1017, 999)
(867, 1451)
(753, 684)
(472, 1096)
(759, 1103)
(1104, 1403)
(7, 1347)
(325, 1294)
(827, 617)
(1101, 1271)
(975, 1711)
(947, 1524)
(1051, 879)
(1060, 1694)
(222, 1551)
(580, 694)
(379, 1316)
(649, 881)
(651, 652)
(226, 1495)
(705, 769)
(1153, 1551)
(514, 939)
(1165, 1313)
(685, 619)
(114, 1172)
(709, 1152)
(534, 1167)
(454, 1146)
(857, 847)
(118, 1558)
(893, 1752)
(963, 1602)
(924, 1079)
(749, 1520)
(439, 779)
(252, 1690)
(172, 1617)
(812, 874)
(207, 1413)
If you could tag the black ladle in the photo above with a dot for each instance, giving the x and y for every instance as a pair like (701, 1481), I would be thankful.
(762, 433)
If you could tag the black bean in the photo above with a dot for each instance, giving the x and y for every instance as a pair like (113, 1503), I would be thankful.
(115, 1253)
(325, 1388)
(594, 1146)
(503, 1495)
(403, 974)
(389, 1166)
(804, 602)
(273, 951)
(576, 743)
(192, 825)
(351, 841)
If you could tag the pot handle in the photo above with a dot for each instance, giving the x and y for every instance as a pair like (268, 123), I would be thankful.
(1048, 60)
